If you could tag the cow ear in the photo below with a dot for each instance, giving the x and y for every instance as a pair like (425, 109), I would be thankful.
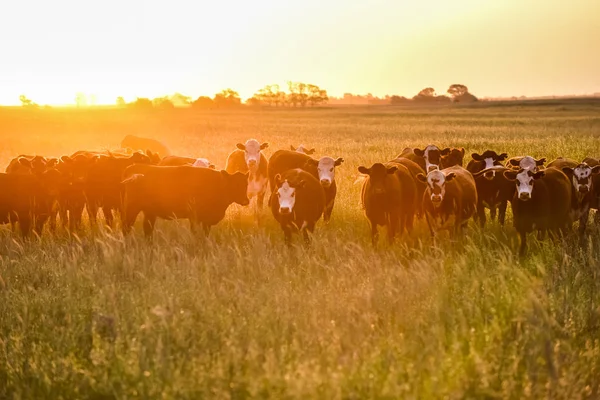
(541, 161)
(52, 162)
(539, 174)
(66, 159)
(476, 157)
(510, 175)
(212, 166)
(445, 151)
(338, 162)
(264, 145)
(24, 162)
(292, 148)
(391, 170)
(364, 170)
(419, 152)
(311, 151)
(240, 146)
(421, 177)
(277, 179)
(502, 157)
(450, 176)
(596, 170)
(462, 151)
(513, 162)
(568, 170)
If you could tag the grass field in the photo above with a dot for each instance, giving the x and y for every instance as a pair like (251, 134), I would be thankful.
(242, 316)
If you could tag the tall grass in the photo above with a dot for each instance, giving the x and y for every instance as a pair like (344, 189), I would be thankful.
(241, 316)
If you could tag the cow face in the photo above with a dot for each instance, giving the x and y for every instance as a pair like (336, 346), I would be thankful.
(286, 195)
(452, 157)
(252, 153)
(237, 184)
(302, 149)
(75, 169)
(140, 158)
(325, 169)
(527, 163)
(524, 180)
(490, 159)
(202, 163)
(436, 185)
(377, 176)
(432, 156)
(52, 181)
(582, 177)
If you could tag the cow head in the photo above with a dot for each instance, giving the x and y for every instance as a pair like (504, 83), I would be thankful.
(140, 158)
(237, 185)
(527, 163)
(436, 185)
(52, 181)
(302, 149)
(432, 156)
(377, 176)
(325, 169)
(202, 163)
(524, 179)
(452, 157)
(489, 158)
(252, 153)
(286, 194)
(75, 169)
(581, 176)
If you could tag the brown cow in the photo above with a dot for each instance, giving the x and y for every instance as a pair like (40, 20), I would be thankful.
(249, 158)
(595, 204)
(414, 169)
(389, 198)
(542, 201)
(297, 203)
(451, 157)
(200, 194)
(143, 144)
(35, 164)
(450, 199)
(582, 195)
(322, 169)
(174, 161)
(302, 149)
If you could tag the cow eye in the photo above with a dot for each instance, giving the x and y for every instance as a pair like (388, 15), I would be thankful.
(331, 170)
(293, 194)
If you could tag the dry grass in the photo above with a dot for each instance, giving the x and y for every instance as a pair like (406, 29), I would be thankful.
(241, 316)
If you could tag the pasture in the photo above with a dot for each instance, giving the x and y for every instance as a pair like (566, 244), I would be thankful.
(239, 315)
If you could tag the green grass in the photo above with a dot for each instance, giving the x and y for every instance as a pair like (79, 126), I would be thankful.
(241, 316)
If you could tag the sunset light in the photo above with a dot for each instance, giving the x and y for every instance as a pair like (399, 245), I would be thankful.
(52, 50)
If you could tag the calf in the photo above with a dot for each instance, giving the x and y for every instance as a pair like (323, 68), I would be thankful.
(201, 195)
(389, 198)
(297, 203)
(143, 144)
(526, 162)
(322, 169)
(582, 196)
(542, 201)
(449, 200)
(493, 191)
(249, 158)
(174, 161)
(303, 150)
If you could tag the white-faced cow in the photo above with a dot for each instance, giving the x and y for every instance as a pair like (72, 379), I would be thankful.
(297, 203)
(449, 200)
(542, 201)
(249, 158)
(592, 162)
(322, 169)
(526, 163)
(302, 149)
(580, 175)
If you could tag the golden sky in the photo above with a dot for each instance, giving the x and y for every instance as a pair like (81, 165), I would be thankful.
(52, 49)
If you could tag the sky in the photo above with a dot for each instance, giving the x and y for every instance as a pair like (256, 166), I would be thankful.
(52, 49)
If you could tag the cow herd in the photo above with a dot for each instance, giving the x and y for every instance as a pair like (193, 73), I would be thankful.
(430, 183)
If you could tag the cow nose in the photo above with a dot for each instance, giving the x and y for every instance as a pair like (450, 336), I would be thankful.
(251, 162)
(436, 198)
(583, 189)
(325, 183)
(284, 210)
(524, 196)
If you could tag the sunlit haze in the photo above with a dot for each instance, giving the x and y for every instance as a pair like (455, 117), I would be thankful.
(52, 49)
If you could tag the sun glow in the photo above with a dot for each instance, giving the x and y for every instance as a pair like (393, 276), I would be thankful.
(150, 48)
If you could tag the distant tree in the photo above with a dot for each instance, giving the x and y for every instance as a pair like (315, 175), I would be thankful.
(457, 90)
(203, 102)
(293, 97)
(465, 98)
(442, 99)
(227, 98)
(27, 103)
(396, 100)
(141, 103)
(121, 101)
(163, 103)
(316, 95)
(180, 100)
(254, 101)
(81, 100)
(427, 92)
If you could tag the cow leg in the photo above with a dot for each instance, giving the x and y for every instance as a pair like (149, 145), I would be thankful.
(493, 212)
(502, 212)
(129, 217)
(481, 214)
(392, 224)
(583, 222)
(108, 216)
(306, 236)
(149, 221)
(523, 247)
(541, 234)
(328, 211)
(287, 234)
(260, 199)
(429, 224)
(25, 224)
(92, 209)
(374, 233)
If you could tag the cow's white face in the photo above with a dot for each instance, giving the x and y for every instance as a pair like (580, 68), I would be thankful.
(436, 185)
(524, 180)
(582, 177)
(286, 196)
(528, 163)
(201, 163)
(432, 156)
(326, 170)
(252, 153)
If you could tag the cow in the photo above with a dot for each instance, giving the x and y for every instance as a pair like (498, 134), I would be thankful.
(389, 198)
(297, 203)
(71, 201)
(322, 169)
(35, 164)
(143, 144)
(493, 191)
(582, 196)
(595, 204)
(414, 169)
(449, 200)
(525, 162)
(451, 157)
(431, 157)
(201, 195)
(302, 149)
(542, 201)
(249, 158)
(177, 160)
(103, 184)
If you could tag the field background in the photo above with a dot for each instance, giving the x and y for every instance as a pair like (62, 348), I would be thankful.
(240, 315)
